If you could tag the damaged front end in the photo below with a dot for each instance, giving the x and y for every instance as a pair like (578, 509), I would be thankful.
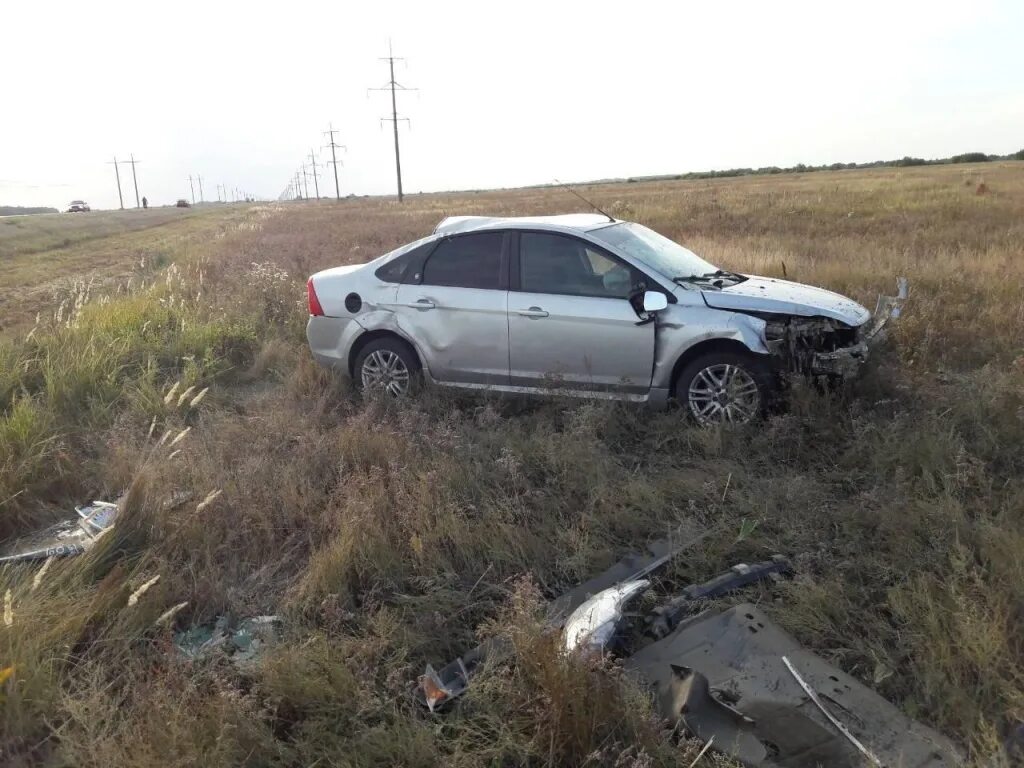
(823, 346)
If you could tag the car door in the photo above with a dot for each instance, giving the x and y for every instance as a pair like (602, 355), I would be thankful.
(455, 309)
(570, 320)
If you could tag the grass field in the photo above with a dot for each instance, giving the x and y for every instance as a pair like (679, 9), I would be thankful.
(389, 535)
(46, 258)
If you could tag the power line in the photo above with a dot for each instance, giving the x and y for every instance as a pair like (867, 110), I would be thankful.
(392, 86)
(334, 158)
(312, 162)
(117, 175)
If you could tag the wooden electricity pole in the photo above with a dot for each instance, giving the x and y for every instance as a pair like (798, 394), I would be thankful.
(334, 158)
(135, 181)
(392, 86)
(312, 162)
(117, 175)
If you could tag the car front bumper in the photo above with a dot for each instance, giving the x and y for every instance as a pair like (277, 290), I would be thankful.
(848, 361)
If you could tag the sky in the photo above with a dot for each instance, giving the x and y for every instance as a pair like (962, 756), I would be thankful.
(510, 94)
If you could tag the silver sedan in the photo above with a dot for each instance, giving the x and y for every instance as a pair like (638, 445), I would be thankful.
(581, 305)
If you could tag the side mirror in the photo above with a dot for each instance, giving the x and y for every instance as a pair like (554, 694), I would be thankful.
(655, 301)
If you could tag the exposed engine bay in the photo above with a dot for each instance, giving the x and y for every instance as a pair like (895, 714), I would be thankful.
(823, 346)
(814, 345)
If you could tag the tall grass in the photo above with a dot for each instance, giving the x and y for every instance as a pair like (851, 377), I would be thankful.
(388, 535)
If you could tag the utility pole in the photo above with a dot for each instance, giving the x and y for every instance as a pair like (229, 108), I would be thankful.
(312, 162)
(193, 189)
(334, 158)
(218, 192)
(392, 86)
(117, 175)
(135, 181)
(200, 188)
(305, 181)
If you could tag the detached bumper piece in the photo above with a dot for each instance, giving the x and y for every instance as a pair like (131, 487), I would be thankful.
(438, 687)
(766, 701)
(847, 361)
(667, 617)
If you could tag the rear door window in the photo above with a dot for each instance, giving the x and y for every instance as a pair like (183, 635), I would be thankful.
(397, 270)
(466, 261)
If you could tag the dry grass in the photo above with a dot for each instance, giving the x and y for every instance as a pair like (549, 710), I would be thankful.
(45, 258)
(390, 535)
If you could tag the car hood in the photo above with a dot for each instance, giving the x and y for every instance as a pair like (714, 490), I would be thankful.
(767, 294)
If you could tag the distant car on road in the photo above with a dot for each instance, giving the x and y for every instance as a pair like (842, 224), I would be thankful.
(586, 305)
(78, 206)
(183, 203)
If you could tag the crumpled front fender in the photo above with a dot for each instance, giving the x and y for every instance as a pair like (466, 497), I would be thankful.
(680, 328)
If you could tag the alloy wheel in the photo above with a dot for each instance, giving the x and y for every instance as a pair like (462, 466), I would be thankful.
(386, 371)
(723, 393)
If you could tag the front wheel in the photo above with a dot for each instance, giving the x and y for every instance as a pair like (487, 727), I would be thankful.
(724, 388)
(387, 365)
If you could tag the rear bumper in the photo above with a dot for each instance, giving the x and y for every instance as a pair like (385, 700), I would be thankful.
(330, 340)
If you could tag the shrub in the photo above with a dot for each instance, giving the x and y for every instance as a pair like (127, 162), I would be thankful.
(970, 157)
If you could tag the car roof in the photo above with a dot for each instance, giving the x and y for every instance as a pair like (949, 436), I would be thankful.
(580, 222)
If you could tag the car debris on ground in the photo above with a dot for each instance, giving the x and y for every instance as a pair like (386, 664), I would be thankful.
(593, 625)
(242, 642)
(731, 678)
(66, 538)
(439, 687)
(738, 678)
(665, 618)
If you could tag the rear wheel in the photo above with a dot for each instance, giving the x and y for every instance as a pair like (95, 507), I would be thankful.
(724, 388)
(387, 365)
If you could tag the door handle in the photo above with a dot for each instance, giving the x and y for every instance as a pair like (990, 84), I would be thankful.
(420, 304)
(532, 312)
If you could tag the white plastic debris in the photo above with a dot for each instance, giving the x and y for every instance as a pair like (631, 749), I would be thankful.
(592, 626)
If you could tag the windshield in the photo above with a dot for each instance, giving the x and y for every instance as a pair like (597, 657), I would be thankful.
(656, 251)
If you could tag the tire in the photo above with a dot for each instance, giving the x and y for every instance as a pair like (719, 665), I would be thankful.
(725, 388)
(387, 365)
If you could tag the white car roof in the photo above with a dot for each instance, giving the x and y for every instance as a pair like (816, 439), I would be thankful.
(582, 222)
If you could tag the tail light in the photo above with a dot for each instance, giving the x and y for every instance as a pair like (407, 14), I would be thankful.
(314, 303)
